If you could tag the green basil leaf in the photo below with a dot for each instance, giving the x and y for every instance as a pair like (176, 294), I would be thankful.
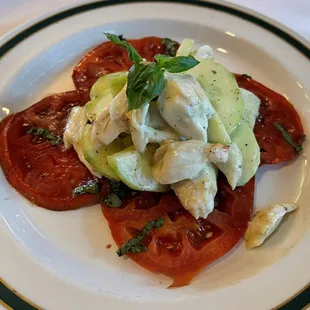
(171, 46)
(144, 83)
(134, 245)
(113, 201)
(91, 187)
(132, 53)
(176, 64)
(45, 134)
(298, 148)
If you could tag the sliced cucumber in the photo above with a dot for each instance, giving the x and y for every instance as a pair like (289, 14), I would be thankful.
(251, 107)
(244, 137)
(96, 105)
(186, 47)
(117, 82)
(135, 169)
(103, 91)
(223, 91)
(217, 132)
(100, 88)
(97, 156)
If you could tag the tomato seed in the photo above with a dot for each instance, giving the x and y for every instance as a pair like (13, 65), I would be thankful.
(209, 235)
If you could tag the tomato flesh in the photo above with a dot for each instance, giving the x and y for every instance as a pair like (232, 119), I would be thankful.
(43, 173)
(274, 108)
(183, 246)
(108, 58)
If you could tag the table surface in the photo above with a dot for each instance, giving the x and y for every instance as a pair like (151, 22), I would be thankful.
(294, 14)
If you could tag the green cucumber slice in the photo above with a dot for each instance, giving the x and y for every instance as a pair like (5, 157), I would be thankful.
(244, 137)
(103, 92)
(97, 156)
(135, 169)
(223, 91)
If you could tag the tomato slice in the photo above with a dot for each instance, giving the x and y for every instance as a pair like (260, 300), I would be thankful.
(108, 58)
(183, 246)
(43, 173)
(274, 108)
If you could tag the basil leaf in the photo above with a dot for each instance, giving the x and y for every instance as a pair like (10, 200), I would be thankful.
(91, 187)
(119, 188)
(45, 134)
(171, 46)
(113, 201)
(144, 83)
(132, 53)
(176, 64)
(134, 245)
(298, 148)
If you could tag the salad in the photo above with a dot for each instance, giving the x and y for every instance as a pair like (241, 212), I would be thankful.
(167, 140)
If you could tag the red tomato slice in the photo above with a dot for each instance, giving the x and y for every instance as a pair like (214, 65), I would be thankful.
(109, 57)
(43, 173)
(183, 246)
(274, 108)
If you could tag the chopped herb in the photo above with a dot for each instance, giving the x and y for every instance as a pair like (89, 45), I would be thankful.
(298, 148)
(132, 53)
(134, 245)
(113, 201)
(171, 46)
(91, 187)
(119, 191)
(176, 64)
(144, 83)
(45, 134)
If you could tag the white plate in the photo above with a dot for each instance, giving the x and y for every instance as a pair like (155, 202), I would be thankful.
(59, 260)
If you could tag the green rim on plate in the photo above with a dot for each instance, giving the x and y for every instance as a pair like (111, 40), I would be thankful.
(9, 297)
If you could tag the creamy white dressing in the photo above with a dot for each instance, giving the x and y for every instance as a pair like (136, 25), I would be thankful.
(75, 126)
(73, 135)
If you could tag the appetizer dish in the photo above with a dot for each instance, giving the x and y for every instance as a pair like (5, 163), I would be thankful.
(167, 140)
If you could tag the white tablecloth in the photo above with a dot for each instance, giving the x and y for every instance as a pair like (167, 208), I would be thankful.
(292, 13)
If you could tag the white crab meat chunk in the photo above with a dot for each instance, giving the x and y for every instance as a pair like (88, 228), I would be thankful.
(204, 52)
(73, 135)
(146, 126)
(177, 161)
(112, 120)
(265, 222)
(185, 107)
(197, 195)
